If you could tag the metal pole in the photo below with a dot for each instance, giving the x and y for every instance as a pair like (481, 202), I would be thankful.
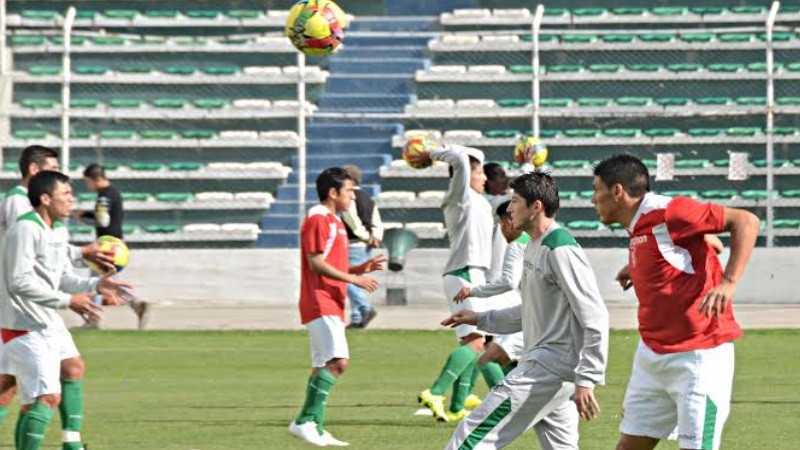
(535, 26)
(301, 132)
(773, 12)
(66, 68)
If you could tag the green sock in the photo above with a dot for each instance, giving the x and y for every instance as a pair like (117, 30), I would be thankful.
(18, 429)
(3, 414)
(507, 369)
(34, 426)
(492, 373)
(457, 362)
(319, 387)
(463, 387)
(71, 409)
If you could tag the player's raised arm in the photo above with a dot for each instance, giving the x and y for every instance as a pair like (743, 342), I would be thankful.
(457, 157)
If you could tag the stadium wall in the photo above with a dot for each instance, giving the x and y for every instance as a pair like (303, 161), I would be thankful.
(271, 277)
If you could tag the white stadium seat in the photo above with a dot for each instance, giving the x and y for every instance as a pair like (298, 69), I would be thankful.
(431, 196)
(511, 12)
(201, 228)
(435, 104)
(463, 134)
(396, 197)
(433, 134)
(238, 134)
(460, 39)
(263, 197)
(487, 69)
(507, 39)
(476, 103)
(213, 197)
(225, 166)
(389, 225)
(240, 228)
(447, 69)
(427, 230)
(261, 70)
(251, 103)
(473, 13)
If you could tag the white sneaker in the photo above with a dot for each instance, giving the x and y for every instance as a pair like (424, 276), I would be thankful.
(332, 441)
(308, 432)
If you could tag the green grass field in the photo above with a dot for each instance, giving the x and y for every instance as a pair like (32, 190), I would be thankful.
(240, 390)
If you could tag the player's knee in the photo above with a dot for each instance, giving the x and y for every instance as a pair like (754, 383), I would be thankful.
(337, 366)
(7, 383)
(73, 369)
(50, 400)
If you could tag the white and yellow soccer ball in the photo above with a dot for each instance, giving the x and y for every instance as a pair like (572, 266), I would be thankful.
(316, 27)
(118, 248)
(416, 149)
(530, 150)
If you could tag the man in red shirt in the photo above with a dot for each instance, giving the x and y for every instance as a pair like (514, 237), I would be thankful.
(324, 276)
(683, 368)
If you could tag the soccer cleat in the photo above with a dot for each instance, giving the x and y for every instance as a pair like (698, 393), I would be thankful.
(142, 310)
(435, 403)
(367, 317)
(472, 401)
(332, 441)
(456, 416)
(308, 432)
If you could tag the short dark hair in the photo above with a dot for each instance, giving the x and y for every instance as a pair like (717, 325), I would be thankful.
(538, 186)
(626, 170)
(95, 172)
(34, 154)
(44, 182)
(473, 161)
(502, 210)
(333, 177)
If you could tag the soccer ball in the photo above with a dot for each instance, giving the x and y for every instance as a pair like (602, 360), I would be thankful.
(115, 245)
(418, 146)
(530, 150)
(316, 27)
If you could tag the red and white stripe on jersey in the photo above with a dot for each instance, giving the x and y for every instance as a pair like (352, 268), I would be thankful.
(673, 268)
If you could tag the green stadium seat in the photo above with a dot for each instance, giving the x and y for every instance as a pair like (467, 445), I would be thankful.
(567, 195)
(124, 14)
(111, 165)
(704, 132)
(713, 100)
(796, 162)
(210, 103)
(136, 196)
(718, 194)
(85, 14)
(644, 67)
(656, 37)
(786, 223)
(125, 103)
(555, 102)
(145, 166)
(736, 37)
(43, 70)
(74, 40)
(10, 167)
(171, 103)
(747, 9)
(80, 134)
(633, 101)
(791, 193)
(743, 131)
(87, 197)
(29, 134)
(39, 103)
(789, 9)
(673, 101)
(581, 132)
(650, 163)
(198, 134)
(156, 134)
(578, 38)
(785, 131)
(724, 162)
(221, 70)
(691, 163)
(135, 68)
(622, 132)
(497, 134)
(751, 101)
(627, 11)
(561, 68)
(161, 13)
(185, 166)
(243, 14)
(589, 12)
(549, 133)
(202, 14)
(21, 40)
(584, 225)
(130, 229)
(159, 229)
(680, 193)
(594, 102)
(669, 11)
(117, 134)
(618, 38)
(107, 40)
(570, 164)
(756, 195)
(513, 102)
(148, 41)
(586, 195)
(697, 37)
(725, 67)
(778, 36)
(555, 12)
(793, 67)
(661, 132)
(794, 101)
(761, 163)
(762, 67)
(180, 70)
(37, 14)
(520, 69)
(605, 68)
(707, 10)
(79, 228)
(685, 67)
(85, 69)
(191, 41)
(174, 197)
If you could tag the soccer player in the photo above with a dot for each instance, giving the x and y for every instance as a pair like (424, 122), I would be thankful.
(38, 280)
(565, 326)
(505, 349)
(496, 191)
(469, 222)
(683, 368)
(324, 278)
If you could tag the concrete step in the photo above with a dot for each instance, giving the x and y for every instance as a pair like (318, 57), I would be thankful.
(382, 52)
(379, 84)
(377, 40)
(278, 239)
(367, 176)
(287, 207)
(289, 192)
(365, 101)
(379, 65)
(387, 24)
(275, 221)
(326, 147)
(327, 130)
(323, 161)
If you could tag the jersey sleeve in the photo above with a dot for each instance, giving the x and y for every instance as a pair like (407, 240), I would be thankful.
(687, 218)
(21, 277)
(457, 159)
(316, 234)
(510, 276)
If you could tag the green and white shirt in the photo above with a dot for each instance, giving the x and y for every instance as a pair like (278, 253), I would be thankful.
(15, 204)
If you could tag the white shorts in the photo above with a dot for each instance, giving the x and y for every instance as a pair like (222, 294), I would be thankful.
(689, 389)
(513, 344)
(452, 285)
(35, 359)
(326, 336)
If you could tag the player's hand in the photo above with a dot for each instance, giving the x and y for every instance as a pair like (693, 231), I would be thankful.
(114, 292)
(717, 299)
(372, 264)
(465, 317)
(83, 305)
(465, 292)
(373, 242)
(369, 284)
(586, 403)
(624, 278)
(104, 259)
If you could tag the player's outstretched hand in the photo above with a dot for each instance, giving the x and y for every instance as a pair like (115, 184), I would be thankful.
(104, 259)
(465, 317)
(624, 278)
(83, 305)
(114, 291)
(462, 294)
(370, 265)
(717, 299)
(369, 284)
(586, 403)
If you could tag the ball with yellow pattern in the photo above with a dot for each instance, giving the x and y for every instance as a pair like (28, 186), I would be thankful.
(530, 150)
(316, 27)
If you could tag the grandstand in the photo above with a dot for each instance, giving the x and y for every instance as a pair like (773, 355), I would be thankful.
(195, 111)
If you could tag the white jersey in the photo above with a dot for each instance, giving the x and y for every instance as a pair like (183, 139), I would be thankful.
(499, 243)
(15, 204)
(510, 274)
(467, 214)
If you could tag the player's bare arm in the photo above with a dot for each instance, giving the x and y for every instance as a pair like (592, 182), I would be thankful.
(370, 265)
(743, 227)
(463, 294)
(715, 243)
(588, 408)
(624, 278)
(464, 317)
(318, 264)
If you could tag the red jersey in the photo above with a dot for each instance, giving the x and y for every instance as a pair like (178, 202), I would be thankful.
(673, 268)
(322, 232)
